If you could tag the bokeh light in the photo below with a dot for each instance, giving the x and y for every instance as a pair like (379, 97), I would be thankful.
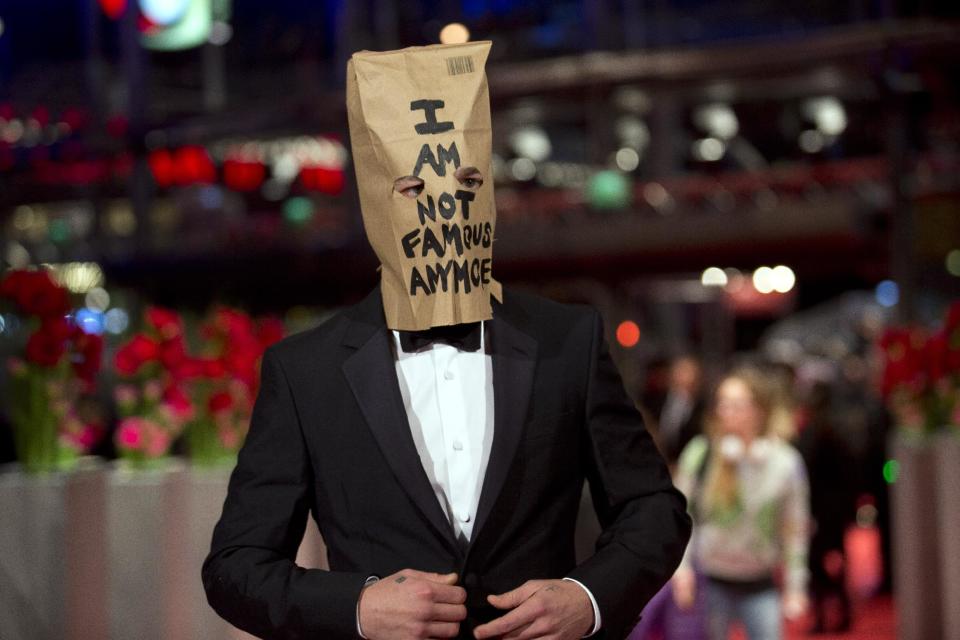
(608, 190)
(628, 333)
(454, 33)
(763, 280)
(891, 471)
(90, 320)
(887, 293)
(164, 12)
(953, 263)
(116, 320)
(783, 278)
(714, 277)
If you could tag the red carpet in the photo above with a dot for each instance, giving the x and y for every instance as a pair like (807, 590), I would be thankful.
(874, 617)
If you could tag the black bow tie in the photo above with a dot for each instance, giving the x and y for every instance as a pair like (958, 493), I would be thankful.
(465, 337)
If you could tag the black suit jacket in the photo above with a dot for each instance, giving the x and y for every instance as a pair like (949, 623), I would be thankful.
(329, 436)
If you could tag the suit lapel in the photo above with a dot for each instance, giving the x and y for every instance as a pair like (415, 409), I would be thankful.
(372, 377)
(514, 360)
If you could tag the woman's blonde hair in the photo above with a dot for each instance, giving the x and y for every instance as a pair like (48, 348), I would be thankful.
(720, 487)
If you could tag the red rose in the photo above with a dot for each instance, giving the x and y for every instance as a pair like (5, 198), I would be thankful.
(953, 317)
(172, 353)
(36, 293)
(57, 328)
(213, 368)
(89, 348)
(233, 323)
(269, 331)
(187, 368)
(125, 362)
(12, 283)
(135, 353)
(935, 357)
(953, 361)
(242, 355)
(45, 348)
(220, 401)
(178, 400)
(143, 348)
(903, 363)
(166, 322)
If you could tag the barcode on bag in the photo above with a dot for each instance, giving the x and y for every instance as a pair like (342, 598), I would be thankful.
(458, 65)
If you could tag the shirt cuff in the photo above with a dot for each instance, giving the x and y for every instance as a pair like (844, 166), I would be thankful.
(593, 603)
(366, 584)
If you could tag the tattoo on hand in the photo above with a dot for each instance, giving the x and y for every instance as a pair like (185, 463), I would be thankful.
(401, 579)
(552, 587)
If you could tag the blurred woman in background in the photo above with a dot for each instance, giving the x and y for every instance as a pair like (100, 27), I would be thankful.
(749, 497)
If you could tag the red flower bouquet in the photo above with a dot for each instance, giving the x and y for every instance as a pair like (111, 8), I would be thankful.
(59, 364)
(153, 407)
(921, 374)
(223, 383)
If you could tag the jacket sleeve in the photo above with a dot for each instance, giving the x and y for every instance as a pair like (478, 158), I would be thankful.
(250, 576)
(645, 526)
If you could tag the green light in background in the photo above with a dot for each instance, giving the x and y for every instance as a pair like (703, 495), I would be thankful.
(59, 231)
(891, 471)
(608, 190)
(298, 210)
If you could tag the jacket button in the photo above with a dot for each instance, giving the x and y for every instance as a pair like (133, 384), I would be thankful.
(471, 581)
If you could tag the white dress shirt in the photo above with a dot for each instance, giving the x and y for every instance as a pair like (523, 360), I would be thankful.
(448, 397)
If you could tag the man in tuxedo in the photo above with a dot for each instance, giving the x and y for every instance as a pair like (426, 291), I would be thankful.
(441, 430)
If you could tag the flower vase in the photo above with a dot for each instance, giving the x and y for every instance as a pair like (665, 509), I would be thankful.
(205, 447)
(36, 422)
(948, 515)
(916, 566)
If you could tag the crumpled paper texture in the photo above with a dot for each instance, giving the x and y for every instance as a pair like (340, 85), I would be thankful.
(425, 112)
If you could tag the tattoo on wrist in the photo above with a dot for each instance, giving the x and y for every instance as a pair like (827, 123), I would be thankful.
(401, 579)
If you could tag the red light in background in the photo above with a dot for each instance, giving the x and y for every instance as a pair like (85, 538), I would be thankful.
(243, 175)
(628, 333)
(162, 167)
(113, 8)
(322, 179)
(193, 165)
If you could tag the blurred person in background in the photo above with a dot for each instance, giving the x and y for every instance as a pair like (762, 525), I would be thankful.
(749, 497)
(861, 410)
(681, 416)
(832, 505)
(674, 391)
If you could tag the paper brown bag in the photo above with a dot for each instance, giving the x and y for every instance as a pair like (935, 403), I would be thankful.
(425, 112)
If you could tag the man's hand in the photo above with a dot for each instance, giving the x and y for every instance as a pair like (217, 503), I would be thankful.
(412, 605)
(554, 609)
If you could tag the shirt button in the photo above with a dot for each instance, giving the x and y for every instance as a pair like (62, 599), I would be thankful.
(448, 375)
(464, 517)
(457, 445)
